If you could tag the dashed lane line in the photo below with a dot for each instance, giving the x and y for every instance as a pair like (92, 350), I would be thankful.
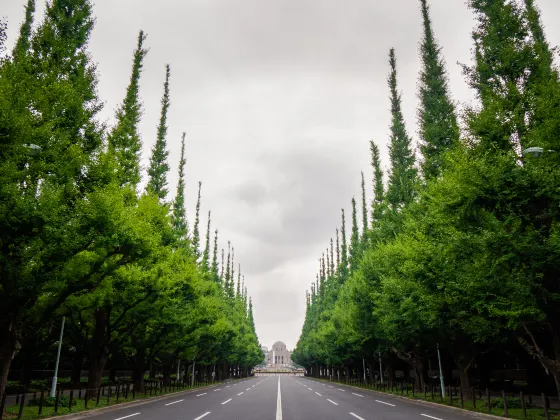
(174, 402)
(225, 402)
(247, 389)
(125, 417)
(340, 389)
(318, 394)
(332, 402)
(200, 395)
(352, 414)
(353, 393)
(240, 393)
(217, 389)
(205, 414)
(386, 403)
(431, 417)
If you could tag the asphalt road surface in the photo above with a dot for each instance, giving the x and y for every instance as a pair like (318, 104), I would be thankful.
(281, 398)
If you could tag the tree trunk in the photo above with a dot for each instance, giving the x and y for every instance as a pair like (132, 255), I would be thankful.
(98, 353)
(77, 363)
(139, 368)
(463, 367)
(8, 348)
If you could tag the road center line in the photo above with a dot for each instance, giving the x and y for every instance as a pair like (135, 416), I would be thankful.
(279, 403)
(353, 393)
(225, 402)
(318, 394)
(205, 414)
(435, 418)
(174, 402)
(352, 414)
(386, 403)
(331, 401)
(125, 417)
(240, 393)
(200, 395)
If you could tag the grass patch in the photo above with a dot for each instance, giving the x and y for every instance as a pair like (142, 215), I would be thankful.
(533, 413)
(32, 412)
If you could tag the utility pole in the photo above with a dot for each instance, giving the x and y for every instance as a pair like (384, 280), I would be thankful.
(54, 379)
(440, 373)
(364, 363)
(193, 371)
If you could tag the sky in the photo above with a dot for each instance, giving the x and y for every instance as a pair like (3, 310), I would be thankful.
(279, 100)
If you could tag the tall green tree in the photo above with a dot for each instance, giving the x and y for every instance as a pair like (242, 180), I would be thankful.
(196, 231)
(124, 141)
(23, 43)
(179, 215)
(355, 247)
(157, 171)
(206, 253)
(364, 210)
(439, 130)
(378, 188)
(402, 179)
(503, 58)
(344, 251)
(215, 268)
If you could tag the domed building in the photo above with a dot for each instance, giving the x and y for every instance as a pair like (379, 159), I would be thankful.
(278, 355)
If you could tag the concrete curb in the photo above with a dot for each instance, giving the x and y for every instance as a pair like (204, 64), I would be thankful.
(115, 407)
(475, 414)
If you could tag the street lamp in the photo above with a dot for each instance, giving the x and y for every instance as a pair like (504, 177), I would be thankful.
(54, 379)
(440, 373)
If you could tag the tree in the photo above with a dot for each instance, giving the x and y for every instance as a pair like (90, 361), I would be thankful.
(196, 232)
(344, 251)
(354, 240)
(157, 172)
(206, 253)
(215, 268)
(403, 173)
(378, 189)
(179, 216)
(23, 43)
(439, 130)
(124, 141)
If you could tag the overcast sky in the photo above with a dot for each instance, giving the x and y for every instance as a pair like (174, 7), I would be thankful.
(279, 99)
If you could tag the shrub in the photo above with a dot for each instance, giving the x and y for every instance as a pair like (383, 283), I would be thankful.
(51, 401)
(512, 402)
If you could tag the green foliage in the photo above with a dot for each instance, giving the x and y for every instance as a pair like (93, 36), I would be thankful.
(439, 130)
(402, 178)
(469, 258)
(157, 172)
(63, 401)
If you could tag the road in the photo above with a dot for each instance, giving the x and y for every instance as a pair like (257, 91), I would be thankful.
(281, 398)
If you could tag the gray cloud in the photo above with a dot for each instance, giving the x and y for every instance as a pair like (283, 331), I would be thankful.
(279, 99)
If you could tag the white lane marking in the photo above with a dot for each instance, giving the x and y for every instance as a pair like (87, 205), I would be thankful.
(217, 389)
(310, 389)
(353, 393)
(435, 418)
(340, 389)
(227, 386)
(383, 402)
(247, 389)
(331, 401)
(253, 386)
(205, 414)
(279, 403)
(240, 393)
(225, 402)
(352, 414)
(331, 386)
(200, 395)
(318, 394)
(175, 402)
(125, 417)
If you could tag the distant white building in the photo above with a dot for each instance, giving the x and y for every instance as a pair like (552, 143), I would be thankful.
(264, 348)
(278, 355)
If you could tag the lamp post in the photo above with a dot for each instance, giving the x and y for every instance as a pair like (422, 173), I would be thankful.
(54, 379)
(32, 149)
(440, 373)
